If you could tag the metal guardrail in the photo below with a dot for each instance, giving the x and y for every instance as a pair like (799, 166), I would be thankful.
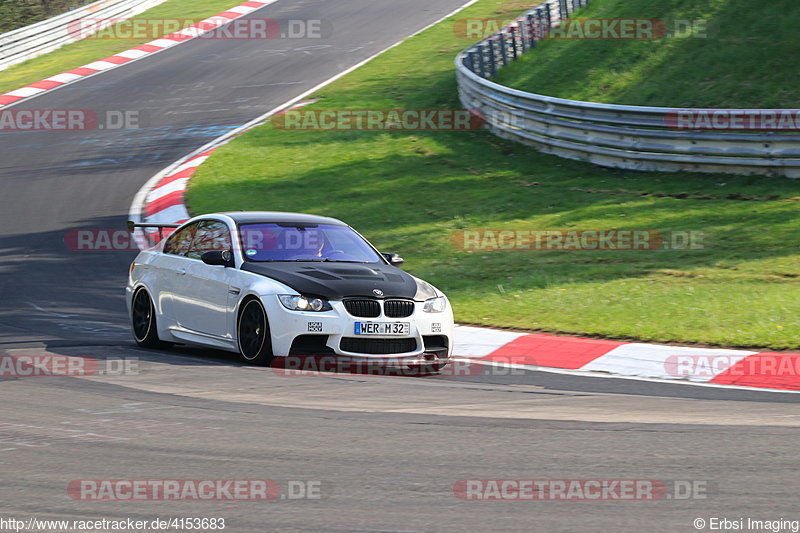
(31, 41)
(632, 137)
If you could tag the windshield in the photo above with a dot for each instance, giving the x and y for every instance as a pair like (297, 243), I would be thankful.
(304, 242)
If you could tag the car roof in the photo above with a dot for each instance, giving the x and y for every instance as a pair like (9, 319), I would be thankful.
(267, 217)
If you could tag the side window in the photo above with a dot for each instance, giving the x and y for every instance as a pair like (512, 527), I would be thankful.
(212, 235)
(178, 243)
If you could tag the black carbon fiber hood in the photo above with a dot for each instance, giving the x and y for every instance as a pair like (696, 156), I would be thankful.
(335, 281)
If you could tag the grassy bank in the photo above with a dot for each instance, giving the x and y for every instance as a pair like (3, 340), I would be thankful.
(739, 54)
(408, 191)
(87, 50)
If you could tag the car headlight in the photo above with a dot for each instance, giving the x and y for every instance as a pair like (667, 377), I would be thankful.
(304, 303)
(435, 305)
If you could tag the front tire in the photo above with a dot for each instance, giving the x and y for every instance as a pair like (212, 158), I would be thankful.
(255, 342)
(143, 320)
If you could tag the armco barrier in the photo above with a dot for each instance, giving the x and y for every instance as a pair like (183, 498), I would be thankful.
(31, 41)
(632, 137)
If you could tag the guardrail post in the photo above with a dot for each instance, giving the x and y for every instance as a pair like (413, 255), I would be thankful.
(482, 60)
(503, 52)
(563, 10)
(515, 41)
(492, 59)
(471, 60)
(549, 13)
(530, 24)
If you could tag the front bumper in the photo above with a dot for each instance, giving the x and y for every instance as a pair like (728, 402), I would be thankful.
(432, 334)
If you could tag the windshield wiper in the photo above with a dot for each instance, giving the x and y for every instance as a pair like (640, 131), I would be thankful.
(308, 261)
(326, 260)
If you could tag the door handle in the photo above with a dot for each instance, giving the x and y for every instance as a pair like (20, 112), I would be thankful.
(181, 272)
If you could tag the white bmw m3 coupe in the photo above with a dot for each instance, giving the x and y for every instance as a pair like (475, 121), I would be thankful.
(268, 284)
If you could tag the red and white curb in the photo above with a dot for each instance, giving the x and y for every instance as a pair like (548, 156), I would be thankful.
(777, 371)
(144, 50)
(164, 202)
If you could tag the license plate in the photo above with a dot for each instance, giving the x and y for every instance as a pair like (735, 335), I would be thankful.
(382, 328)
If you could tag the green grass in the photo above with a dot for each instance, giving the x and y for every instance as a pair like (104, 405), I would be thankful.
(749, 58)
(407, 192)
(87, 50)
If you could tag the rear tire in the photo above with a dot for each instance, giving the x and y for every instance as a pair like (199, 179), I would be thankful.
(143, 320)
(254, 339)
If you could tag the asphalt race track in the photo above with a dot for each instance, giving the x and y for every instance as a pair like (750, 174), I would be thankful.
(385, 452)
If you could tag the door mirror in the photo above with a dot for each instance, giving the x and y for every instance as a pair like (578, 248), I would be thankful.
(218, 257)
(394, 259)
